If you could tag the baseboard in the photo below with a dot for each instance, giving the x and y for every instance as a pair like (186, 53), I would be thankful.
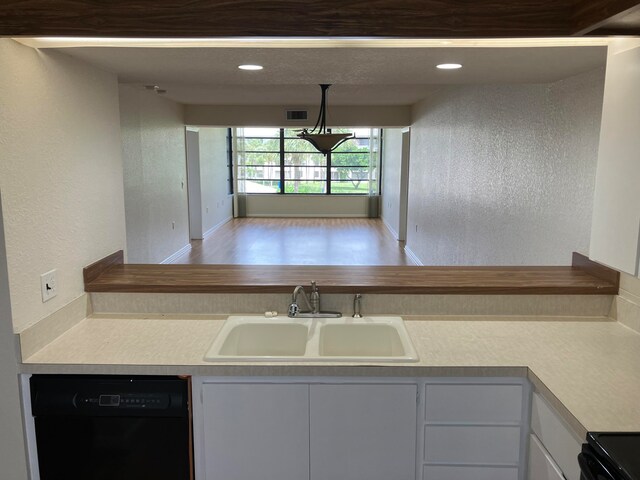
(390, 228)
(177, 254)
(308, 215)
(414, 258)
(216, 227)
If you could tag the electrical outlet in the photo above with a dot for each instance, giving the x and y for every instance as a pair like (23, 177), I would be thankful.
(48, 285)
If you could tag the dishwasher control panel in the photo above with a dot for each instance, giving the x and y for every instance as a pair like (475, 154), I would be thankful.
(145, 401)
(109, 396)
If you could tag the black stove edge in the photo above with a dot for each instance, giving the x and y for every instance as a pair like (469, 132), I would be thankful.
(593, 439)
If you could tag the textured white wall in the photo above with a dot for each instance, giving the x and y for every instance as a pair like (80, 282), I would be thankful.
(391, 163)
(155, 187)
(217, 204)
(504, 174)
(60, 174)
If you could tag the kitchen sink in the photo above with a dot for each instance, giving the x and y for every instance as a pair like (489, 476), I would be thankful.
(352, 340)
(254, 340)
(360, 340)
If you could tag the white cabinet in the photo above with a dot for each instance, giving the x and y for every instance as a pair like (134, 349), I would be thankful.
(615, 227)
(474, 429)
(295, 431)
(360, 429)
(542, 466)
(562, 444)
(254, 431)
(363, 432)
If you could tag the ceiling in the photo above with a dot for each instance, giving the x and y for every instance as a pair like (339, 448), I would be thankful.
(361, 76)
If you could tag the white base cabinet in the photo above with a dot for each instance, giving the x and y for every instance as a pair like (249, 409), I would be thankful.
(360, 429)
(555, 436)
(296, 431)
(474, 429)
(253, 431)
(541, 463)
(363, 432)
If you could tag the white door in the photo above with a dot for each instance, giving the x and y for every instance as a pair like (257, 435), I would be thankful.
(363, 432)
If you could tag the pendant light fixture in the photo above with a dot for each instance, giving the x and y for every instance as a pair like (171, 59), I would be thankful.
(318, 137)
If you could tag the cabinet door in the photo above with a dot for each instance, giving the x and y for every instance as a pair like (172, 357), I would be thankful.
(363, 432)
(541, 464)
(562, 444)
(256, 431)
(616, 204)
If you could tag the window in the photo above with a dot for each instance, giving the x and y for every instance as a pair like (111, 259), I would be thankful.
(260, 159)
(275, 160)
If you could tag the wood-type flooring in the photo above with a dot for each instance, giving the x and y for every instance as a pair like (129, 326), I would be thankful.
(298, 241)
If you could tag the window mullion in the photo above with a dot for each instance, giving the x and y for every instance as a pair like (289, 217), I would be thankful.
(328, 174)
(282, 187)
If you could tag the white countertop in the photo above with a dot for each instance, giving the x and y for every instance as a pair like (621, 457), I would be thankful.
(588, 368)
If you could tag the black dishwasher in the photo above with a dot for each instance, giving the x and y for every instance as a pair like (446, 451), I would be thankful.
(112, 427)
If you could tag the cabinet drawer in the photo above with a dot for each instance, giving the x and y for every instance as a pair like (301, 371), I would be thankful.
(464, 403)
(472, 444)
(436, 472)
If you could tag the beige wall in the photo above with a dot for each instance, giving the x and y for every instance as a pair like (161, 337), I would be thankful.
(307, 205)
(265, 116)
(217, 204)
(391, 165)
(155, 175)
(60, 174)
(504, 174)
(12, 446)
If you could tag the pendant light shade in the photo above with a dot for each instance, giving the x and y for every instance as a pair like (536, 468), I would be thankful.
(323, 141)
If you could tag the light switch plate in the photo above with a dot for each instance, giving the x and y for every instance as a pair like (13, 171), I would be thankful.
(49, 285)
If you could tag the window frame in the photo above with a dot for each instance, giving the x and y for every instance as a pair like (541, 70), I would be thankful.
(328, 167)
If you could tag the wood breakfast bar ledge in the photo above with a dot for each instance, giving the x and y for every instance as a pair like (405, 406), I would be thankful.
(583, 277)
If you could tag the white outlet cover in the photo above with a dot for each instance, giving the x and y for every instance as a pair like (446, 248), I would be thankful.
(49, 285)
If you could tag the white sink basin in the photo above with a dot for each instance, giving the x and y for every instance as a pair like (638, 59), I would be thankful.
(258, 338)
(265, 339)
(367, 339)
(360, 340)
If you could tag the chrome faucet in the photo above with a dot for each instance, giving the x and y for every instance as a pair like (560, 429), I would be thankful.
(312, 304)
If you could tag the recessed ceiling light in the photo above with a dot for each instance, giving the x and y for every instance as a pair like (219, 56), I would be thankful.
(250, 67)
(449, 66)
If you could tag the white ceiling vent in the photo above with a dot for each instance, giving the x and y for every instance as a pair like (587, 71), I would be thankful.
(297, 114)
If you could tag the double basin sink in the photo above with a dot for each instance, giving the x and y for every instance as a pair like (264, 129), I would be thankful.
(366, 339)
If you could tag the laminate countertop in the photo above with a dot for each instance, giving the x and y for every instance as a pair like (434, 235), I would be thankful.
(588, 368)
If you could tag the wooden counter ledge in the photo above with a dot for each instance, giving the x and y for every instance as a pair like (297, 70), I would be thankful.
(583, 278)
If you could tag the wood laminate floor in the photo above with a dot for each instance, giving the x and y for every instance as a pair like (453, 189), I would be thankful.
(298, 241)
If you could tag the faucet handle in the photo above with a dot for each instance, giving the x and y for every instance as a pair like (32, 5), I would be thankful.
(293, 310)
(357, 299)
